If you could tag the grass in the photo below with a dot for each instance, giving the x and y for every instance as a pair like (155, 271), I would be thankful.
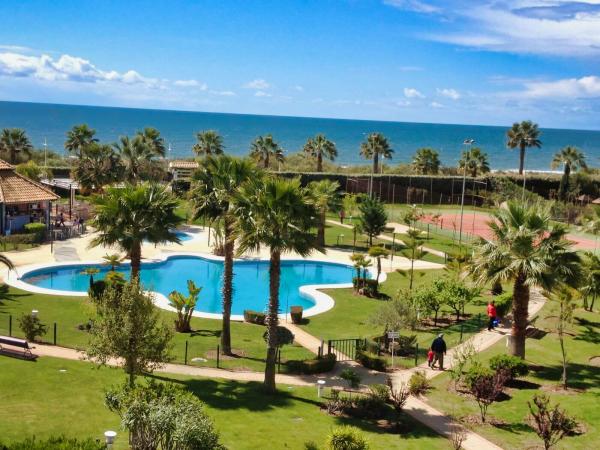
(349, 318)
(544, 355)
(69, 312)
(43, 400)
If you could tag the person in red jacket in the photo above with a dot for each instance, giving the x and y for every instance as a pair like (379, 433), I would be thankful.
(491, 312)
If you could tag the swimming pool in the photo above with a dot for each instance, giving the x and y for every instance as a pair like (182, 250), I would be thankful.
(251, 280)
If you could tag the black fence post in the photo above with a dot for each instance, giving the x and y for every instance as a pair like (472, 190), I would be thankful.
(329, 347)
(186, 353)
(416, 354)
(218, 355)
(10, 325)
(54, 340)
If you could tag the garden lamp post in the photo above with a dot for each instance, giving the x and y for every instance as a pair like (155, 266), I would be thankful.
(109, 438)
(467, 143)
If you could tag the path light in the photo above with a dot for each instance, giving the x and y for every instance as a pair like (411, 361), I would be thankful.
(469, 144)
(34, 313)
(109, 438)
(320, 387)
(340, 238)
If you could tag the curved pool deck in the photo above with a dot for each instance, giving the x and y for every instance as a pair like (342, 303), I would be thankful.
(322, 302)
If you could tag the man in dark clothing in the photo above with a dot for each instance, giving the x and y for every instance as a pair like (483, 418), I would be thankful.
(439, 350)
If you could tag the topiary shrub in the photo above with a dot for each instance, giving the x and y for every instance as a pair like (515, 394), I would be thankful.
(296, 314)
(311, 366)
(514, 365)
(346, 438)
(371, 361)
(255, 317)
(418, 383)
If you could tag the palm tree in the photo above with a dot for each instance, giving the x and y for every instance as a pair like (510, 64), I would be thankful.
(137, 158)
(320, 147)
(275, 213)
(325, 197)
(128, 216)
(152, 139)
(209, 143)
(529, 250)
(522, 136)
(591, 279)
(475, 160)
(426, 161)
(263, 148)
(79, 138)
(572, 159)
(14, 142)
(375, 146)
(113, 260)
(98, 166)
(214, 186)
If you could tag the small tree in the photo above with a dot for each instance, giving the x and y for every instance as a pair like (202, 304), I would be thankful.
(455, 294)
(396, 314)
(398, 398)
(378, 252)
(463, 355)
(428, 301)
(373, 218)
(565, 297)
(351, 377)
(551, 424)
(346, 438)
(184, 306)
(486, 389)
(413, 241)
(412, 215)
(32, 327)
(128, 327)
(113, 260)
(163, 416)
(361, 264)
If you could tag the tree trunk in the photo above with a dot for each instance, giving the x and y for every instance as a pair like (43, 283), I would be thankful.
(135, 255)
(266, 161)
(412, 269)
(321, 229)
(272, 321)
(521, 159)
(227, 290)
(375, 163)
(319, 162)
(520, 310)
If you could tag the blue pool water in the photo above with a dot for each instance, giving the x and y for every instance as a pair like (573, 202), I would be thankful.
(251, 280)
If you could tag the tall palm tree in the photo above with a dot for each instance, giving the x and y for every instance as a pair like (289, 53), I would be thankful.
(523, 136)
(264, 148)
(209, 143)
(79, 138)
(325, 196)
(15, 143)
(320, 147)
(572, 159)
(214, 185)
(475, 160)
(529, 250)
(137, 158)
(98, 166)
(152, 139)
(374, 147)
(277, 214)
(426, 161)
(128, 216)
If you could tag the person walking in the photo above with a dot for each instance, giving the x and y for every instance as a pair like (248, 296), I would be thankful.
(491, 312)
(439, 350)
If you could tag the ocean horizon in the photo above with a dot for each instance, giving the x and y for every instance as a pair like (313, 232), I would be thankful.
(46, 122)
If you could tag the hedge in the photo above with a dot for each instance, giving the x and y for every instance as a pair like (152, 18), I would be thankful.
(254, 317)
(371, 361)
(312, 366)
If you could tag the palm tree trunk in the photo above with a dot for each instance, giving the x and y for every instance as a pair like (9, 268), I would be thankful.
(135, 256)
(561, 338)
(266, 161)
(521, 159)
(319, 162)
(375, 162)
(272, 320)
(227, 285)
(321, 229)
(520, 310)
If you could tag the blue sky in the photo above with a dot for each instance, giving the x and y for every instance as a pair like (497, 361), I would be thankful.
(477, 62)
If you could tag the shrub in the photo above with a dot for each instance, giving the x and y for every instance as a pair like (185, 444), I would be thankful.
(284, 336)
(346, 438)
(475, 372)
(551, 424)
(371, 361)
(398, 397)
(351, 377)
(55, 443)
(379, 391)
(312, 366)
(486, 389)
(32, 327)
(503, 304)
(418, 383)
(254, 317)
(370, 287)
(296, 314)
(36, 229)
(514, 365)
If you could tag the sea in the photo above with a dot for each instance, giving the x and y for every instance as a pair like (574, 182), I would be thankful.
(50, 122)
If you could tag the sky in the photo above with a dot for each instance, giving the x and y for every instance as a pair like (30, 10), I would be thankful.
(487, 62)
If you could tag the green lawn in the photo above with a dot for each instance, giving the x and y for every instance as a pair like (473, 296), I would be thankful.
(69, 312)
(544, 356)
(53, 396)
(349, 318)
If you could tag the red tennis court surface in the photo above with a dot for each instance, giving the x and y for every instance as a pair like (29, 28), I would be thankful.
(476, 224)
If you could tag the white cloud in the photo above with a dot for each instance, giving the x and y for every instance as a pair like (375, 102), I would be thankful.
(223, 93)
(191, 83)
(413, 5)
(449, 93)
(412, 93)
(403, 103)
(262, 94)
(298, 88)
(259, 84)
(572, 88)
(436, 105)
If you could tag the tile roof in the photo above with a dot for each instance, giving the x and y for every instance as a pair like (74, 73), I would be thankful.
(15, 188)
(178, 164)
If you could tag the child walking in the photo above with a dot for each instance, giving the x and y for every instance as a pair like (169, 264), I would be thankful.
(429, 357)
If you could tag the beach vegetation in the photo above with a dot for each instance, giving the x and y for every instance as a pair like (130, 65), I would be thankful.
(474, 161)
(15, 145)
(572, 159)
(376, 146)
(264, 149)
(320, 148)
(326, 198)
(426, 161)
(523, 135)
(209, 143)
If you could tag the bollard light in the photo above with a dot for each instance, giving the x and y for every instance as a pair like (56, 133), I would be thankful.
(109, 438)
(320, 386)
(34, 313)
